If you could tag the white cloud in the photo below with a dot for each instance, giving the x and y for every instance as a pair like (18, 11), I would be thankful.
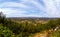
(51, 8)
(38, 5)
(13, 4)
(12, 12)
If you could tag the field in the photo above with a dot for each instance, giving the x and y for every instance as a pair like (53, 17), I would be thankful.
(29, 27)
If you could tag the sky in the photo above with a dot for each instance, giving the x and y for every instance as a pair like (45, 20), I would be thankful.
(30, 8)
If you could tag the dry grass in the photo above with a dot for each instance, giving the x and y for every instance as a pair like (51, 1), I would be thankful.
(43, 34)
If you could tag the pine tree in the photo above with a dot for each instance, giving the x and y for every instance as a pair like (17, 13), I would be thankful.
(2, 17)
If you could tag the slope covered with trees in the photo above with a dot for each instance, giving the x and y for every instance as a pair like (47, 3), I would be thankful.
(9, 28)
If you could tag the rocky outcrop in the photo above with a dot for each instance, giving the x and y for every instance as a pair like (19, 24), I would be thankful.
(57, 28)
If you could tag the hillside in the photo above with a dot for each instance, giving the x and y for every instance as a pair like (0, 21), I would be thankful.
(28, 27)
(32, 18)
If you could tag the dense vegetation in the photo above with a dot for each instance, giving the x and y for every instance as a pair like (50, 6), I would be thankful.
(9, 28)
(56, 34)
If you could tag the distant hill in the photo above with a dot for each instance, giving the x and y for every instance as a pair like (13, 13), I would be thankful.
(32, 18)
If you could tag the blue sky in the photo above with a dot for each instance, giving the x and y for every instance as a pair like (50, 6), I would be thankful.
(30, 8)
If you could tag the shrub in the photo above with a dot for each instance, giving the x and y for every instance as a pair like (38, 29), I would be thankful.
(5, 32)
(56, 34)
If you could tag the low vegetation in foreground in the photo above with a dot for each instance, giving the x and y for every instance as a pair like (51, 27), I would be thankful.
(56, 34)
(9, 28)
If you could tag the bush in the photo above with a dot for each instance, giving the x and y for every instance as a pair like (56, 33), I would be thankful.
(9, 28)
(5, 32)
(56, 34)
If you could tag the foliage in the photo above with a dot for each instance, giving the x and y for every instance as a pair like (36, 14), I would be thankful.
(56, 34)
(9, 28)
(5, 32)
